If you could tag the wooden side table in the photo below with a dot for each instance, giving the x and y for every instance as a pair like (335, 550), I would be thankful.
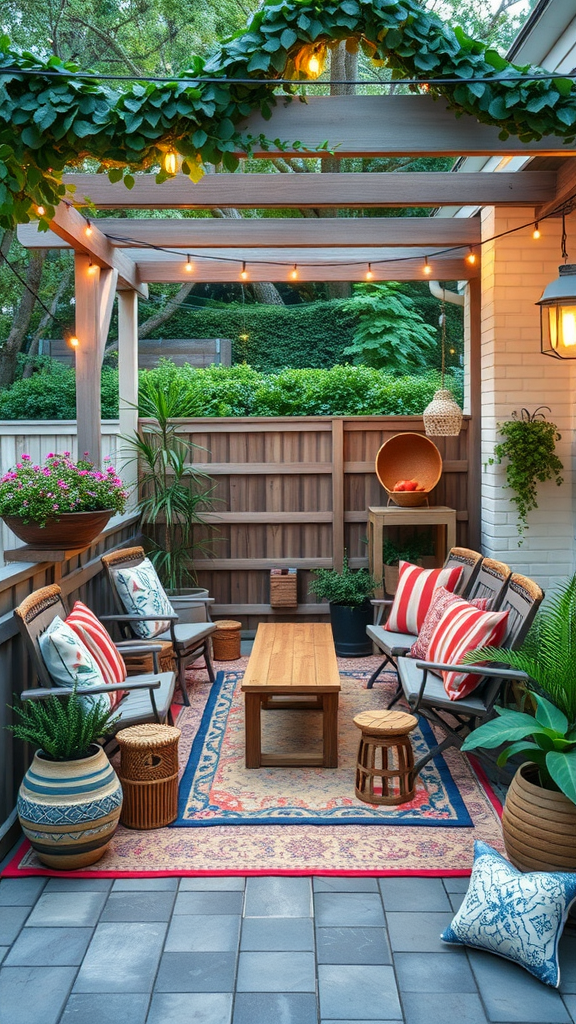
(385, 740)
(444, 519)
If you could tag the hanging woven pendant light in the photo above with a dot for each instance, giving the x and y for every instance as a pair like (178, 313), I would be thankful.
(443, 416)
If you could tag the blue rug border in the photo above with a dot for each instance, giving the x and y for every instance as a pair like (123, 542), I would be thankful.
(452, 790)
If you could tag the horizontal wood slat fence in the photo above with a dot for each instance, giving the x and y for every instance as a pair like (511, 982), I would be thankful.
(295, 492)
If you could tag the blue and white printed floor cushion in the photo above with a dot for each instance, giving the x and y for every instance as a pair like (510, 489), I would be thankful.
(142, 593)
(518, 916)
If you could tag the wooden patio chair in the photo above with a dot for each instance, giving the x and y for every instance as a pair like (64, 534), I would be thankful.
(190, 640)
(148, 697)
(423, 689)
(394, 645)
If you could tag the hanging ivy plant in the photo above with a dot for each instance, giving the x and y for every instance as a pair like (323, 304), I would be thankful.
(529, 446)
(55, 118)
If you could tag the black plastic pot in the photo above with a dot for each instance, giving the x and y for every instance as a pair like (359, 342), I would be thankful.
(349, 629)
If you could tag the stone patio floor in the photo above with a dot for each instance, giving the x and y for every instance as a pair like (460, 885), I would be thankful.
(266, 950)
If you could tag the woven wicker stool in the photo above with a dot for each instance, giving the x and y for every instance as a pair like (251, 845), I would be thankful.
(149, 775)
(385, 737)
(226, 640)
(140, 664)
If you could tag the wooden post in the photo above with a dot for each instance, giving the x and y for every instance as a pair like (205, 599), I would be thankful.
(338, 492)
(475, 424)
(128, 381)
(95, 288)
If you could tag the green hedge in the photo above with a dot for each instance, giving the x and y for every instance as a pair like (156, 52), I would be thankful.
(238, 391)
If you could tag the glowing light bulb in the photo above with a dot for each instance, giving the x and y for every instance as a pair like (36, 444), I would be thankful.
(244, 272)
(471, 258)
(91, 268)
(427, 269)
(314, 65)
(244, 337)
(188, 266)
(170, 162)
(89, 228)
(536, 233)
(40, 210)
(369, 273)
(73, 341)
(294, 272)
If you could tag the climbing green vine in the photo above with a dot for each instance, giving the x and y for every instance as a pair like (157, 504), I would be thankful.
(55, 119)
(529, 448)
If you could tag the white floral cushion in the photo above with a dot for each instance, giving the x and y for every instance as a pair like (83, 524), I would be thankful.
(68, 660)
(518, 916)
(142, 593)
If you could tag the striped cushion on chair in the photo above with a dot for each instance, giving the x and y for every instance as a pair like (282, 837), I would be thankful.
(97, 639)
(461, 629)
(414, 595)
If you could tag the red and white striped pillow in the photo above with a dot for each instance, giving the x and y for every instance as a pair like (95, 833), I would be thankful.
(441, 600)
(414, 595)
(101, 646)
(463, 628)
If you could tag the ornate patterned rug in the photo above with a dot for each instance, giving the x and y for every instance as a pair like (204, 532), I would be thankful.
(326, 831)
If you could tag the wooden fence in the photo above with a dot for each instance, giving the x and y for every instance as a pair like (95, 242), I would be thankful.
(295, 492)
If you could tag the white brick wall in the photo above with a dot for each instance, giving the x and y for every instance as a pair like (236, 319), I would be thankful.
(515, 270)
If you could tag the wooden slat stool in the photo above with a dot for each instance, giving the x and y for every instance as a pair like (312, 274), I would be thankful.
(149, 774)
(385, 738)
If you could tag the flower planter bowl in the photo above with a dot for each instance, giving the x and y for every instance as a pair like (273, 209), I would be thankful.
(539, 825)
(70, 530)
(405, 457)
(69, 810)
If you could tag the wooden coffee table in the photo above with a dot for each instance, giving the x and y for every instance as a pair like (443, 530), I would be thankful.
(291, 663)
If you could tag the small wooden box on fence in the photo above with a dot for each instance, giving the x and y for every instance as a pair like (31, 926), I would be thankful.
(284, 588)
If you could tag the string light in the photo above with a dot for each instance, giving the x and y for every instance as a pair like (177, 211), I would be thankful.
(91, 267)
(88, 229)
(471, 257)
(73, 341)
(369, 273)
(536, 233)
(170, 162)
(188, 266)
(294, 272)
(244, 272)
(40, 210)
(427, 269)
(314, 65)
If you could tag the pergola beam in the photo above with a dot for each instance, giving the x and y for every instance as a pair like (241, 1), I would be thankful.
(565, 190)
(367, 126)
(355, 191)
(70, 226)
(324, 232)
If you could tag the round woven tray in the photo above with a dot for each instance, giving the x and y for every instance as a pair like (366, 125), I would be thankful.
(226, 640)
(409, 456)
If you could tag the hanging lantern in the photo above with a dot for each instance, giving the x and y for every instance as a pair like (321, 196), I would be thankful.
(443, 416)
(558, 315)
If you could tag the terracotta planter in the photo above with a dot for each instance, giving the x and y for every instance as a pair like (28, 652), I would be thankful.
(69, 810)
(71, 530)
(539, 825)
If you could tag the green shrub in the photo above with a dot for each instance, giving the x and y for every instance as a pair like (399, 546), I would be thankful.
(51, 395)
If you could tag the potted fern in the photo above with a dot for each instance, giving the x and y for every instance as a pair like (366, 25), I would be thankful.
(539, 820)
(348, 593)
(70, 798)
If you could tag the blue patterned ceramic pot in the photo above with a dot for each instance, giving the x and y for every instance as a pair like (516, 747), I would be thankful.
(69, 810)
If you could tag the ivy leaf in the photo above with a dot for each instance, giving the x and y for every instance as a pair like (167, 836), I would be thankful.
(567, 115)
(288, 38)
(564, 85)
(259, 62)
(115, 174)
(493, 58)
(497, 108)
(84, 128)
(44, 117)
(199, 138)
(537, 103)
(129, 181)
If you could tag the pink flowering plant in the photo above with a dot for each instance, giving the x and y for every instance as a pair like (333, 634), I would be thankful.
(38, 493)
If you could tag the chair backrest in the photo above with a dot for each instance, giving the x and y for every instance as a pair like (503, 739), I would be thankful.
(491, 583)
(33, 616)
(522, 600)
(470, 562)
(123, 558)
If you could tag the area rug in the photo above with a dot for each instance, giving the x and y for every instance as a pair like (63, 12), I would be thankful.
(332, 848)
(217, 789)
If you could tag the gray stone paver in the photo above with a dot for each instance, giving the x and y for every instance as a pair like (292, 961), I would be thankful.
(274, 950)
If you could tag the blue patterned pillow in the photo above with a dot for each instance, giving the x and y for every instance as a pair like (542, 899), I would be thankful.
(69, 661)
(518, 916)
(142, 593)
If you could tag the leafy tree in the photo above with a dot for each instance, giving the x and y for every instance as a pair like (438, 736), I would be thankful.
(391, 334)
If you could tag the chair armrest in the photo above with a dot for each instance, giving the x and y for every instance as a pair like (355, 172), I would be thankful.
(476, 670)
(140, 618)
(380, 603)
(137, 647)
(42, 693)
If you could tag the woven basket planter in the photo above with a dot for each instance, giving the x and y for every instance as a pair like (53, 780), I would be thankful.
(226, 640)
(149, 775)
(539, 825)
(284, 588)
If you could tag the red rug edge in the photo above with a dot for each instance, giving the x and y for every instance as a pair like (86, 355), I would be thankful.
(13, 871)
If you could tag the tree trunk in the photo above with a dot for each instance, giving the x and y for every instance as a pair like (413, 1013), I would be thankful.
(33, 346)
(263, 291)
(163, 315)
(13, 344)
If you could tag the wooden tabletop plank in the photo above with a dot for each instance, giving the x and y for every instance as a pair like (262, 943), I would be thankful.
(290, 657)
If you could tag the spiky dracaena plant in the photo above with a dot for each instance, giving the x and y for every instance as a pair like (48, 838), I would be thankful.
(548, 657)
(63, 727)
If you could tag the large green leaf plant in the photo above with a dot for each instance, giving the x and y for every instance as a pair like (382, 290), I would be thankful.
(548, 659)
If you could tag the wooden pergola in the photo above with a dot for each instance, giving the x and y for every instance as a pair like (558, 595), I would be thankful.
(126, 255)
